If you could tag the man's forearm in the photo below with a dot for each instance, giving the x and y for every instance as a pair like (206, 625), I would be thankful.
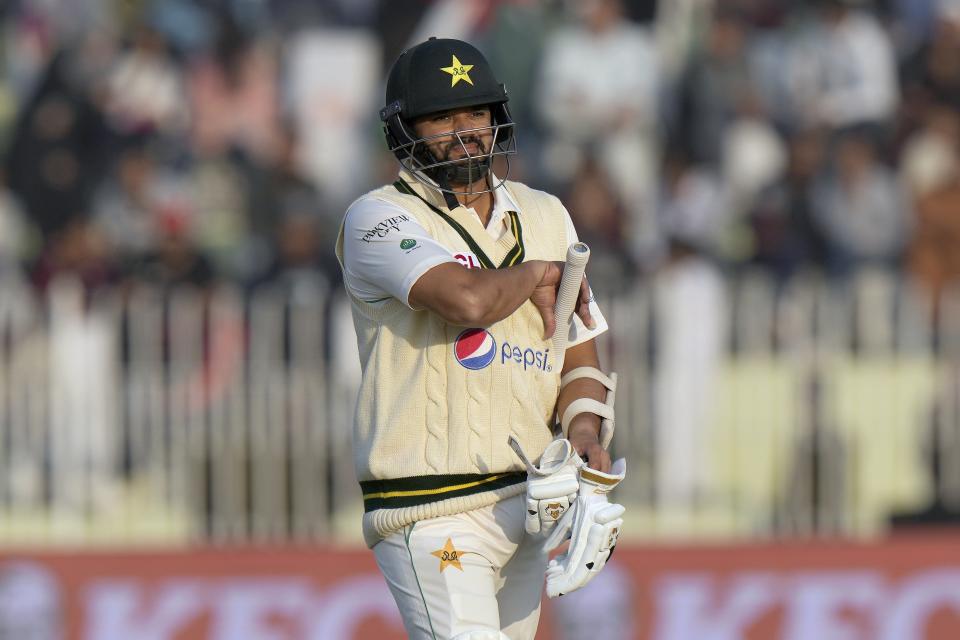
(494, 294)
(582, 424)
(476, 297)
(582, 355)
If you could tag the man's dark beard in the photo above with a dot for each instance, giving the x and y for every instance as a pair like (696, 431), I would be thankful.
(462, 143)
(463, 171)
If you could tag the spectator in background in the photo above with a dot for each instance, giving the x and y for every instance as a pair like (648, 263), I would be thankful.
(78, 250)
(235, 136)
(691, 204)
(278, 189)
(726, 125)
(301, 277)
(217, 211)
(234, 98)
(301, 267)
(912, 23)
(329, 109)
(785, 237)
(928, 159)
(515, 41)
(8, 102)
(177, 260)
(934, 251)
(601, 222)
(860, 208)
(144, 89)
(932, 74)
(16, 234)
(126, 203)
(717, 82)
(844, 71)
(29, 45)
(691, 311)
(57, 153)
(753, 155)
(598, 92)
(930, 81)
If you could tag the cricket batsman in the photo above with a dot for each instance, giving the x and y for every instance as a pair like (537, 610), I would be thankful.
(478, 444)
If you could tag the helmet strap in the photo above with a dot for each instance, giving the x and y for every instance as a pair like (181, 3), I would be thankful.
(450, 198)
(466, 172)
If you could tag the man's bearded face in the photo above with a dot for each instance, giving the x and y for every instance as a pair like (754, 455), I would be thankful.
(474, 141)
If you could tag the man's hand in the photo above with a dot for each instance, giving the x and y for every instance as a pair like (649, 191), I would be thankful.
(552, 484)
(544, 297)
(583, 437)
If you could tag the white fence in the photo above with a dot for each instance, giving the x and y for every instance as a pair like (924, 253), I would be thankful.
(138, 416)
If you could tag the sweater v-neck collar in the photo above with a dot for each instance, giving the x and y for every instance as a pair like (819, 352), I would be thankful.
(506, 250)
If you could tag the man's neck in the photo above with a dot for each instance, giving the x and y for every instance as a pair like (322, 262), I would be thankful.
(482, 203)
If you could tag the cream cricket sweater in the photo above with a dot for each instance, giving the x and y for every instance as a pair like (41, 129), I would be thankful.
(438, 402)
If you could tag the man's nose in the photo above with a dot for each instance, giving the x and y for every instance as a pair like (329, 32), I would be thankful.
(462, 122)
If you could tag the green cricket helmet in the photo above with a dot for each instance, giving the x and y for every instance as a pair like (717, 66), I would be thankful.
(439, 75)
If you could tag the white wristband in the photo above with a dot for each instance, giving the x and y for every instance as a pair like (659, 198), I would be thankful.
(589, 405)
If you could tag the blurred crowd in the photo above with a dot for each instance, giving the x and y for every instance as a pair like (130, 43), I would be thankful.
(197, 141)
(200, 142)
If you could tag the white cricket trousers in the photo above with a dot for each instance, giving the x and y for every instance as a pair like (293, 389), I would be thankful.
(475, 570)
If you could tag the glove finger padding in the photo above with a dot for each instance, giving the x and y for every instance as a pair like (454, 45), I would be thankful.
(551, 486)
(542, 515)
(595, 524)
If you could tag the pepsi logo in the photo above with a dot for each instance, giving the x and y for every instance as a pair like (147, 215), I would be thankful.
(475, 348)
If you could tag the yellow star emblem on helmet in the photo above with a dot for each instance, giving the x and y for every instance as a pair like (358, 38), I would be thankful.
(458, 71)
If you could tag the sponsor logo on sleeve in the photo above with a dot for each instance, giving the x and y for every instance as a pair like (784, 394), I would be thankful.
(383, 228)
(468, 260)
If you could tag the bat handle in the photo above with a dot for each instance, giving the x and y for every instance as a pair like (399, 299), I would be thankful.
(577, 256)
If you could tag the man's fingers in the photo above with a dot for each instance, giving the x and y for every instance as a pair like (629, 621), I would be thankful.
(583, 305)
(552, 274)
(544, 297)
(549, 322)
(598, 458)
(604, 463)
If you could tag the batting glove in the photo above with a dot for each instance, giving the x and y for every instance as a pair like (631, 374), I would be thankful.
(594, 524)
(551, 486)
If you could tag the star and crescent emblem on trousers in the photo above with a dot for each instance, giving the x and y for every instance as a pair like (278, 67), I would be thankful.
(458, 71)
(449, 556)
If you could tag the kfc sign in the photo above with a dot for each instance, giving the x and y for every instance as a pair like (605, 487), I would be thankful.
(239, 594)
(815, 605)
(899, 589)
(236, 609)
